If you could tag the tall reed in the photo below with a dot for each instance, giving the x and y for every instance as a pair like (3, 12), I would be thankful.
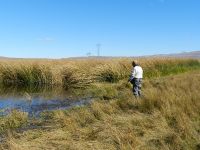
(82, 73)
(167, 117)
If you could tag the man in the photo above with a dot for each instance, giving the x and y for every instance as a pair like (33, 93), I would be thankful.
(136, 78)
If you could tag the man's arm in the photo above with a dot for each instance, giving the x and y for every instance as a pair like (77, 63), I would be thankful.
(133, 72)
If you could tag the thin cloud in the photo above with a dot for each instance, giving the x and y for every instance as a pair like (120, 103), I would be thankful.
(46, 39)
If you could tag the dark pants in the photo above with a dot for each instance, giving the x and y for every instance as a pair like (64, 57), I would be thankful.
(137, 85)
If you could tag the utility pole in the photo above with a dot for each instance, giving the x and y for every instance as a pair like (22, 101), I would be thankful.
(98, 49)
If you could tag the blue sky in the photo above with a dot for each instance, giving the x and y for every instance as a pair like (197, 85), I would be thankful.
(67, 28)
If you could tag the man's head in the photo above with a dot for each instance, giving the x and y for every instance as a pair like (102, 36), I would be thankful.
(135, 63)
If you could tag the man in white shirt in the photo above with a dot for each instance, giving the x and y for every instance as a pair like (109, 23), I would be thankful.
(136, 78)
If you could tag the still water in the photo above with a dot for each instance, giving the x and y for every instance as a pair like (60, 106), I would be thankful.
(36, 101)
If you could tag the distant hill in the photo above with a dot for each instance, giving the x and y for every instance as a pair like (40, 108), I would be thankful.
(1, 57)
(192, 54)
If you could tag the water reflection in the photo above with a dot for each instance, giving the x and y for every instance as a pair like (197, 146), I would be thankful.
(35, 100)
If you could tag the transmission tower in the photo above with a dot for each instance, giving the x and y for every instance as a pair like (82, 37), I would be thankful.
(98, 49)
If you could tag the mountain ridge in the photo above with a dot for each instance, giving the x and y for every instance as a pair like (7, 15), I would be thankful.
(191, 54)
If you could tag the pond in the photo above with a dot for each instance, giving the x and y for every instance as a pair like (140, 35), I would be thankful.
(38, 100)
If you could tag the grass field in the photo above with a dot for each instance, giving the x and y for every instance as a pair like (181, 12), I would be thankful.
(166, 118)
(82, 72)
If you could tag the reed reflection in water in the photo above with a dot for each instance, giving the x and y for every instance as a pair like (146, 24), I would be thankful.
(37, 99)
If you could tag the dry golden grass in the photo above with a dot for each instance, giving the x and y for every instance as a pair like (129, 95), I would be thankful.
(83, 72)
(168, 117)
(13, 120)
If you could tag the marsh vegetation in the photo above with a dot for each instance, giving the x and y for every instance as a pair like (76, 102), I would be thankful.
(166, 117)
(82, 72)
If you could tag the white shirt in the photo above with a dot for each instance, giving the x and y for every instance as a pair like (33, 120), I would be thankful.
(136, 72)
